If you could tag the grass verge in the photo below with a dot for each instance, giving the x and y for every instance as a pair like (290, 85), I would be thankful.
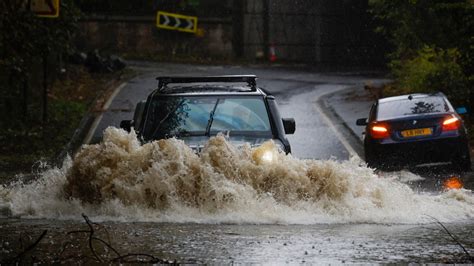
(27, 141)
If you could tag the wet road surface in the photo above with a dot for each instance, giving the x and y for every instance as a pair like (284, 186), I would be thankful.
(260, 244)
(298, 93)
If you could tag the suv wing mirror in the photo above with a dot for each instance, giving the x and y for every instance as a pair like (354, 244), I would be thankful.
(289, 125)
(361, 122)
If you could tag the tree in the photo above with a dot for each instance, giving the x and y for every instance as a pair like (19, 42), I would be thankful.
(433, 37)
(27, 41)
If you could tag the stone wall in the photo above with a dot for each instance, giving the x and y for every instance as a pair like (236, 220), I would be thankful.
(320, 32)
(139, 36)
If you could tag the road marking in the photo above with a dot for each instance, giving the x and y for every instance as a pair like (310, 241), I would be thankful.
(328, 122)
(106, 106)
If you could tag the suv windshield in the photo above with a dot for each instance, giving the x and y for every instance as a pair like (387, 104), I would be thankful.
(425, 105)
(197, 115)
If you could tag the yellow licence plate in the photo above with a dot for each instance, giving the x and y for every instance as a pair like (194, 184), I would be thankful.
(417, 132)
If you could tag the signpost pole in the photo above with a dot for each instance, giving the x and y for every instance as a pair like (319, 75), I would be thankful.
(266, 28)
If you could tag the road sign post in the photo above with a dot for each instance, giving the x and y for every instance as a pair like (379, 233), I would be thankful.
(172, 21)
(45, 8)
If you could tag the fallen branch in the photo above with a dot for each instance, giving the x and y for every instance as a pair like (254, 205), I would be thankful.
(62, 256)
(119, 258)
(453, 237)
(18, 258)
(152, 259)
(91, 237)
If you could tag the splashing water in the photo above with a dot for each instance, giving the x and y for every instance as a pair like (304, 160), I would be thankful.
(165, 181)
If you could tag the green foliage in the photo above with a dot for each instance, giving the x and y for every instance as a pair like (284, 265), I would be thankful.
(433, 70)
(412, 24)
(26, 40)
(433, 45)
(64, 119)
(25, 141)
(24, 36)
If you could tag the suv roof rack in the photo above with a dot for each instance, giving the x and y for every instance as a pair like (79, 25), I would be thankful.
(249, 79)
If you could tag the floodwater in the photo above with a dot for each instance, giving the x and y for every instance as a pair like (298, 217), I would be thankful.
(243, 243)
(229, 205)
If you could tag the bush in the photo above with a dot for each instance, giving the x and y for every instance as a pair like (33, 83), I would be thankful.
(432, 70)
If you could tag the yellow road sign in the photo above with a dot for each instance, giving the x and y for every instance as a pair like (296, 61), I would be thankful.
(171, 21)
(45, 8)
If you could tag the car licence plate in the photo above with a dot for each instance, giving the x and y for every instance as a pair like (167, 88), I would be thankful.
(417, 132)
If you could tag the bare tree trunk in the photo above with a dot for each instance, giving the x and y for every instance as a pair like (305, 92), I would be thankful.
(266, 28)
(45, 88)
(10, 95)
(238, 7)
(471, 98)
(25, 97)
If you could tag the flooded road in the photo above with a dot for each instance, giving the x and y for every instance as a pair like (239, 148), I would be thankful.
(225, 205)
(246, 243)
(228, 206)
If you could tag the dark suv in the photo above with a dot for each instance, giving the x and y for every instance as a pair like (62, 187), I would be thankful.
(196, 108)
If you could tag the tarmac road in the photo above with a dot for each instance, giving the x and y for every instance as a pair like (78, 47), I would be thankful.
(297, 92)
(380, 227)
(324, 106)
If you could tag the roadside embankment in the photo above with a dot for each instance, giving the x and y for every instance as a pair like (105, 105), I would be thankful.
(74, 100)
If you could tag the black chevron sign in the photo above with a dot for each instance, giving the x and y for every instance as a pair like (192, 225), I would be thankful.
(171, 21)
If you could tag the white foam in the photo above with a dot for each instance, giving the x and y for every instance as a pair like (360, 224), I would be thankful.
(165, 181)
(403, 176)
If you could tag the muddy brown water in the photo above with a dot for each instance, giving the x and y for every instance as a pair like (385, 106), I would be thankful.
(229, 205)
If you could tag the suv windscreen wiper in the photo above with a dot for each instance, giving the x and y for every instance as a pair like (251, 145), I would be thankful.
(211, 119)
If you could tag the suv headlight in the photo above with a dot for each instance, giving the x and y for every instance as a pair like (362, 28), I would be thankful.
(267, 156)
(265, 153)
